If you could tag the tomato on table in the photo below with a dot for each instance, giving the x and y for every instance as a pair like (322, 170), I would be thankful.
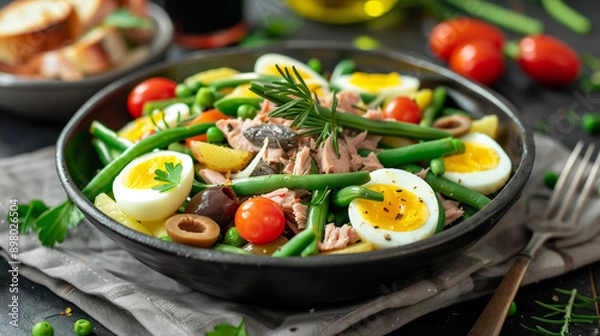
(206, 116)
(548, 60)
(259, 220)
(156, 88)
(478, 60)
(403, 109)
(448, 35)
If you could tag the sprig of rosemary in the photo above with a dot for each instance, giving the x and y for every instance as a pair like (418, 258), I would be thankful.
(171, 176)
(304, 109)
(566, 310)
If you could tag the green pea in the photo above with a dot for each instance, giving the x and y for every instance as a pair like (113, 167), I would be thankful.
(205, 97)
(214, 135)
(550, 179)
(166, 238)
(315, 64)
(591, 123)
(195, 86)
(176, 147)
(42, 329)
(82, 327)
(246, 111)
(513, 309)
(182, 91)
(233, 238)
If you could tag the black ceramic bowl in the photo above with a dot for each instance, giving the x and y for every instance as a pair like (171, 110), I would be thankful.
(295, 281)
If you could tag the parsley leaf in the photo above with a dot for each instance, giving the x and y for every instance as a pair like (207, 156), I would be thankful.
(171, 177)
(123, 18)
(28, 215)
(53, 225)
(228, 330)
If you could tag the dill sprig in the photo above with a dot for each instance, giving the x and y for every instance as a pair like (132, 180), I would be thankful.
(304, 110)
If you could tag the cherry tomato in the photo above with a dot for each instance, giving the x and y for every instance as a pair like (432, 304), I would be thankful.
(448, 35)
(206, 116)
(478, 60)
(548, 60)
(151, 89)
(403, 109)
(259, 220)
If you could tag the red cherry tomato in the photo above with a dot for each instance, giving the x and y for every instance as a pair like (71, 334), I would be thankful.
(448, 35)
(478, 60)
(403, 109)
(548, 60)
(259, 220)
(151, 89)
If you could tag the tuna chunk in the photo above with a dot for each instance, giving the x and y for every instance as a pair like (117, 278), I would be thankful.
(233, 131)
(328, 160)
(371, 162)
(289, 202)
(303, 162)
(451, 210)
(363, 140)
(338, 237)
(346, 102)
(211, 176)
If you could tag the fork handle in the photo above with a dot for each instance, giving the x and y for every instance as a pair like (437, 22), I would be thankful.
(492, 318)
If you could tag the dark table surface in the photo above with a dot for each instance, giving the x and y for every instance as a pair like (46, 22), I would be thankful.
(403, 32)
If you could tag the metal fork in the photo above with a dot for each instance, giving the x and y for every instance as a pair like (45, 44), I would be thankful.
(492, 318)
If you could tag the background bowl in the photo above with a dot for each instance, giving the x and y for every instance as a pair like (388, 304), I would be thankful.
(295, 281)
(58, 100)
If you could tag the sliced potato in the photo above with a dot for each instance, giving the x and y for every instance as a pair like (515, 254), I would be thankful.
(219, 158)
(354, 248)
(209, 76)
(487, 125)
(423, 98)
(110, 208)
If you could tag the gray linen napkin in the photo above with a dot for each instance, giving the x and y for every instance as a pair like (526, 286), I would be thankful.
(131, 299)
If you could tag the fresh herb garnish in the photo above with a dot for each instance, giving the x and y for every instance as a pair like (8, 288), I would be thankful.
(123, 18)
(53, 225)
(228, 330)
(566, 310)
(28, 215)
(305, 110)
(171, 176)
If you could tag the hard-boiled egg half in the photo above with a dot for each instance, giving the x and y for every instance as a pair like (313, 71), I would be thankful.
(135, 188)
(265, 65)
(484, 166)
(167, 118)
(409, 212)
(381, 85)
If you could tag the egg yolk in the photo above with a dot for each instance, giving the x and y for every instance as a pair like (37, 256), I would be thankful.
(400, 211)
(142, 175)
(141, 126)
(312, 86)
(476, 157)
(374, 82)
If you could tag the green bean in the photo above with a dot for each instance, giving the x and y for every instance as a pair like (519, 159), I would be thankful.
(448, 111)
(344, 67)
(500, 16)
(316, 218)
(437, 102)
(229, 106)
(153, 105)
(591, 123)
(421, 151)
(103, 151)
(344, 196)
(567, 16)
(437, 166)
(442, 219)
(106, 175)
(243, 78)
(296, 245)
(451, 189)
(108, 136)
(266, 183)
(230, 249)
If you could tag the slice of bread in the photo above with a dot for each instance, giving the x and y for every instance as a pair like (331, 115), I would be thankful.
(93, 12)
(28, 27)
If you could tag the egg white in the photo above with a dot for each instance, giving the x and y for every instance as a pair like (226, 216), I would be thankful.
(407, 86)
(410, 182)
(148, 204)
(267, 61)
(485, 181)
(173, 114)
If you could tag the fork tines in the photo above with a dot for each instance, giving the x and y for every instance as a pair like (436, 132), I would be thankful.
(572, 183)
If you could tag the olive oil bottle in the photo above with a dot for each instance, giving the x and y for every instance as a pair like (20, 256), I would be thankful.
(341, 11)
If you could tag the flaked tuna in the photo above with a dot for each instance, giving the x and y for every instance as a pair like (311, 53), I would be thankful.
(336, 238)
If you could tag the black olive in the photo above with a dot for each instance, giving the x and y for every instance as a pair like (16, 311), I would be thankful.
(217, 203)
